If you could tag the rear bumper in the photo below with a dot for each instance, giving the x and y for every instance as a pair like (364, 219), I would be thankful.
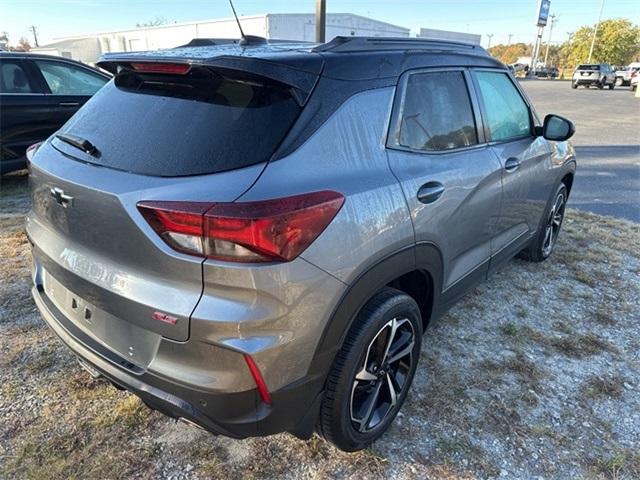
(236, 414)
(587, 81)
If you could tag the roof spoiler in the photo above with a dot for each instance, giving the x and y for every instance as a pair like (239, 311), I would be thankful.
(301, 81)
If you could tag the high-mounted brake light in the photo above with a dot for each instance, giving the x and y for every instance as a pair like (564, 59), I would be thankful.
(154, 67)
(275, 230)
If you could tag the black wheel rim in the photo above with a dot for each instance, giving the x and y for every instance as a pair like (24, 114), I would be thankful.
(383, 375)
(552, 229)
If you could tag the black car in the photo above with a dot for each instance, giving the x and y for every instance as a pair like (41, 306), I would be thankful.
(551, 72)
(38, 94)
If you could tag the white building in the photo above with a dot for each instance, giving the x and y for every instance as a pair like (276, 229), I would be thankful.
(286, 26)
(448, 35)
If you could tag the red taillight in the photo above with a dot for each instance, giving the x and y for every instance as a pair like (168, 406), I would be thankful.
(263, 231)
(257, 377)
(154, 67)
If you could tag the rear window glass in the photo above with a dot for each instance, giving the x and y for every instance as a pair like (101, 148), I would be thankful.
(176, 125)
(589, 67)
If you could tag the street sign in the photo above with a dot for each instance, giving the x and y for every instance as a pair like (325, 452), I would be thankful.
(543, 12)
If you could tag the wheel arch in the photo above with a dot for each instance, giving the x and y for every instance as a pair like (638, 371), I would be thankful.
(411, 270)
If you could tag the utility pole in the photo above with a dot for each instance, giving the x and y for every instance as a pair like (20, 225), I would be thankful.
(490, 35)
(35, 35)
(546, 55)
(321, 20)
(509, 42)
(595, 32)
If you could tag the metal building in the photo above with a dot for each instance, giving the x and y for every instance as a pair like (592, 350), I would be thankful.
(287, 26)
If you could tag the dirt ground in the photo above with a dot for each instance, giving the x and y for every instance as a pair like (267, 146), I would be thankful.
(535, 374)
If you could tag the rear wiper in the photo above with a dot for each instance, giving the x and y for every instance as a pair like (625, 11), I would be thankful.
(79, 142)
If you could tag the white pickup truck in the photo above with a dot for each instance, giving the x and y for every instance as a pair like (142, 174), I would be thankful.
(623, 75)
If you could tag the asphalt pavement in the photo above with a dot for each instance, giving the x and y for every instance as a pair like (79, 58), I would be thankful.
(607, 142)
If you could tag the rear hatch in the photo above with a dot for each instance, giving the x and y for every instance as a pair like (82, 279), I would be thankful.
(198, 134)
(588, 71)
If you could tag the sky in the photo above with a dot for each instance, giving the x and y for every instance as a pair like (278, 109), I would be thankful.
(499, 18)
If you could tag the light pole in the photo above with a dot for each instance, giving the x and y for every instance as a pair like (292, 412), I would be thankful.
(595, 32)
(321, 20)
(509, 41)
(490, 35)
(546, 54)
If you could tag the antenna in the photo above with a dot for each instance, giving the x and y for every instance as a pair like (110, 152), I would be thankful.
(237, 19)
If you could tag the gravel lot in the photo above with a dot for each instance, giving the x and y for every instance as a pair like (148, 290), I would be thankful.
(535, 374)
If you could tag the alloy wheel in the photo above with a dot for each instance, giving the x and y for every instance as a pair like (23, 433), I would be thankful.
(552, 229)
(383, 376)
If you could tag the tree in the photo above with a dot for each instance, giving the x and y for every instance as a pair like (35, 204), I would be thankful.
(617, 42)
(23, 45)
(510, 53)
(153, 23)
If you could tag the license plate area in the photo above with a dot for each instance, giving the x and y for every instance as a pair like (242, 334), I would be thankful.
(132, 343)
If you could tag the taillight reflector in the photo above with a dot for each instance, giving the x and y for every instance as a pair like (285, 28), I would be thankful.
(263, 231)
(257, 377)
(154, 67)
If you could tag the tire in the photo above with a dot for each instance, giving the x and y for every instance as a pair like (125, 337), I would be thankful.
(541, 247)
(611, 86)
(600, 85)
(574, 85)
(343, 418)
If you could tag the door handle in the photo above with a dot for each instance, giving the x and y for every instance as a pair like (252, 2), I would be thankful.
(512, 164)
(69, 104)
(430, 192)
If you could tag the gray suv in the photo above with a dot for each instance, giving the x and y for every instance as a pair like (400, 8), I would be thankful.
(253, 237)
(598, 75)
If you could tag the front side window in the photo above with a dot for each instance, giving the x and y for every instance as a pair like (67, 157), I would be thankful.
(437, 113)
(507, 115)
(65, 79)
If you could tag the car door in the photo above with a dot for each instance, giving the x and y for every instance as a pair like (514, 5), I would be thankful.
(449, 176)
(525, 160)
(20, 115)
(68, 86)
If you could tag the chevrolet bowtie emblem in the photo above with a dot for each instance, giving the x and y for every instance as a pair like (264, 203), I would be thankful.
(60, 197)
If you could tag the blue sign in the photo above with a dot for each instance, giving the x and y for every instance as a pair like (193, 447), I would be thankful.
(543, 12)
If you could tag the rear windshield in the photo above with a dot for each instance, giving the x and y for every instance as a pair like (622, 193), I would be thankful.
(589, 67)
(176, 125)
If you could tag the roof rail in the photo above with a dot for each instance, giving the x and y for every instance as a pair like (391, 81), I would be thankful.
(354, 44)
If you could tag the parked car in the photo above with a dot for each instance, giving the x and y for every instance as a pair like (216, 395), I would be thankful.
(624, 74)
(597, 75)
(551, 72)
(254, 239)
(38, 94)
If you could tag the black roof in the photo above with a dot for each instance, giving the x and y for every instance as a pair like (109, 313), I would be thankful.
(300, 63)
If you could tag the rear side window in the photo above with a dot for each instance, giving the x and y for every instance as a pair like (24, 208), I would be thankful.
(589, 67)
(65, 79)
(437, 113)
(176, 125)
(507, 115)
(13, 78)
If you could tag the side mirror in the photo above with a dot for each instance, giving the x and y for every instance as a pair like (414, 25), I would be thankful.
(557, 128)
